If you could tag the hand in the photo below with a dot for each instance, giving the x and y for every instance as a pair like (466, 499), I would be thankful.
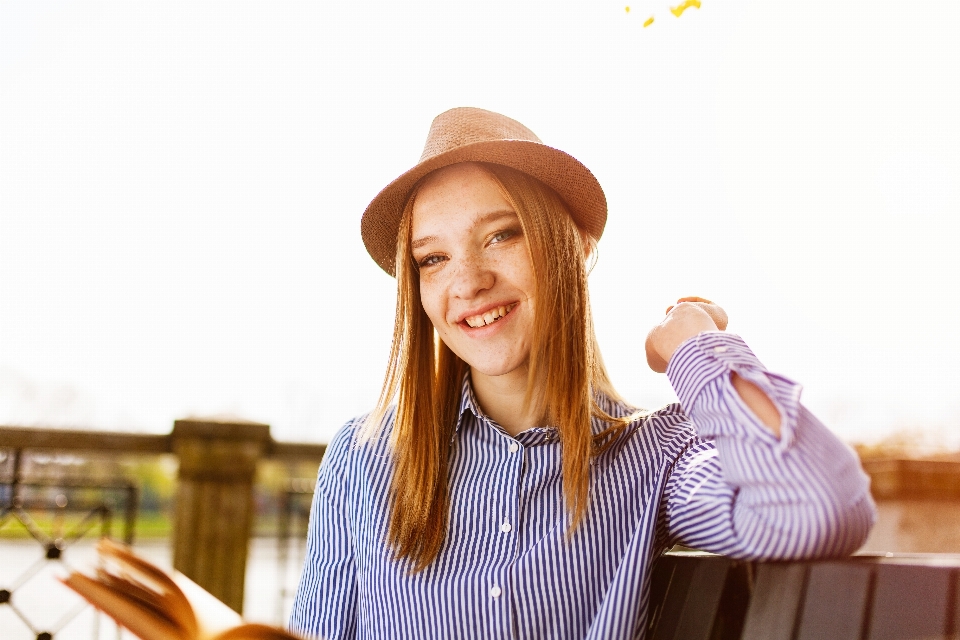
(684, 320)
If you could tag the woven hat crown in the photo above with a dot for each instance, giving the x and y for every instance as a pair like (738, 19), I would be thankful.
(461, 127)
(467, 134)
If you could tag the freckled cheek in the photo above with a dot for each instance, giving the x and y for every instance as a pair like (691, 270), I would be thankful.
(516, 266)
(431, 302)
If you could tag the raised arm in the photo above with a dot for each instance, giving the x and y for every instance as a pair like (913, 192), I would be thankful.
(741, 490)
(326, 602)
(763, 478)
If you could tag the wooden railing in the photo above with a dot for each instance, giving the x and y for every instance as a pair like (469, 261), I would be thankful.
(213, 513)
(914, 479)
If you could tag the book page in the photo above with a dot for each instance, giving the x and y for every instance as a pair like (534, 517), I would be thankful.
(144, 622)
(141, 579)
(212, 615)
(155, 605)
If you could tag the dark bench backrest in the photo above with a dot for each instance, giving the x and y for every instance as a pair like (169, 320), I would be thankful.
(700, 596)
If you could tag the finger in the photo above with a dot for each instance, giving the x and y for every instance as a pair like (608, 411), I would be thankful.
(716, 313)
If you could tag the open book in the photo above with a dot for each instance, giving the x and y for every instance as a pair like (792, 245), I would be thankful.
(155, 605)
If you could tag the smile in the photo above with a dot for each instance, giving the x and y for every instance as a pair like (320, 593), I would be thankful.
(489, 317)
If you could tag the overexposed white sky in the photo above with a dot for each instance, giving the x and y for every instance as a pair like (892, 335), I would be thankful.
(181, 186)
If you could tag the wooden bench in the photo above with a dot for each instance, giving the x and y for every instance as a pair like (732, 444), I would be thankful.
(698, 596)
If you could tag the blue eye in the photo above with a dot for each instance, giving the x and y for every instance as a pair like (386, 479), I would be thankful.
(506, 234)
(430, 260)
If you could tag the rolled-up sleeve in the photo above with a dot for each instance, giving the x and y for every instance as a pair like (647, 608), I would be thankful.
(326, 602)
(737, 489)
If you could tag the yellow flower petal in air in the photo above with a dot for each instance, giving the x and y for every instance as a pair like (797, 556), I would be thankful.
(648, 22)
(683, 6)
(628, 9)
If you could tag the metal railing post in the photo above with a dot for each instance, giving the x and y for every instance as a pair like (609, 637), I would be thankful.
(15, 480)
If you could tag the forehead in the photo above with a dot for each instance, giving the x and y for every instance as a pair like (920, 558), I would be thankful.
(456, 196)
(452, 175)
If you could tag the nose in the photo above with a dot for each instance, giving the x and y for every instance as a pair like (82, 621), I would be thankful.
(471, 276)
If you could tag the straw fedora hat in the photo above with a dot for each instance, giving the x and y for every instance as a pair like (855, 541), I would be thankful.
(468, 134)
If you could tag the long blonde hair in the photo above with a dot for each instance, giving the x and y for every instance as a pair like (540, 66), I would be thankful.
(425, 376)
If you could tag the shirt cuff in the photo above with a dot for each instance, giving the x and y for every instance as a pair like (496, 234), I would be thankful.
(707, 360)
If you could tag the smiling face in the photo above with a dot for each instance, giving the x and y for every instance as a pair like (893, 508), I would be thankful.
(476, 278)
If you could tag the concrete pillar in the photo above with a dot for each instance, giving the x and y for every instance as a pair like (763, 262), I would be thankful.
(214, 507)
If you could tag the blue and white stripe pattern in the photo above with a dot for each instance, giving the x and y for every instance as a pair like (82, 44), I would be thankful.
(508, 568)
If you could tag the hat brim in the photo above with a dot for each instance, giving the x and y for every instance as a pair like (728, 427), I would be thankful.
(573, 182)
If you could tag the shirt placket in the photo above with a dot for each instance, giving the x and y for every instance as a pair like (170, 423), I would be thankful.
(501, 592)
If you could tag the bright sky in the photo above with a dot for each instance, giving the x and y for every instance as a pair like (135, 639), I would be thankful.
(181, 187)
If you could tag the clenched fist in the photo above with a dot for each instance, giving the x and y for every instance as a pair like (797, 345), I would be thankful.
(684, 320)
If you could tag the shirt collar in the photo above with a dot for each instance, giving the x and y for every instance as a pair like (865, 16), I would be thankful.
(537, 435)
(468, 402)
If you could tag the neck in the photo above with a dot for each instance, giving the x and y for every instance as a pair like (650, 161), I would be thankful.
(501, 398)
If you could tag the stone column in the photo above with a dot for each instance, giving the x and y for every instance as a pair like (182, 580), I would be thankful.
(214, 506)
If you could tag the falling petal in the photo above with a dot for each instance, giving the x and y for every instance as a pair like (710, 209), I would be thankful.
(648, 22)
(683, 6)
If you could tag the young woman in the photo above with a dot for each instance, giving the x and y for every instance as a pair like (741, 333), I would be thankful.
(501, 487)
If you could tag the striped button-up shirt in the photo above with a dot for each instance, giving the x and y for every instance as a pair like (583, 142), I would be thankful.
(703, 473)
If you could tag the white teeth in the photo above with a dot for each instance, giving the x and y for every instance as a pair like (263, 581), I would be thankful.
(490, 316)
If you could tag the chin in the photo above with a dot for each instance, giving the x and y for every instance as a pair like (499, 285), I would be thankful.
(495, 370)
(492, 363)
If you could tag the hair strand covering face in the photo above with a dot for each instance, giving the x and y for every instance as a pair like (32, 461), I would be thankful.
(424, 376)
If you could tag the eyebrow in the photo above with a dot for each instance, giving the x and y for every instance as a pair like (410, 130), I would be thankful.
(416, 244)
(486, 218)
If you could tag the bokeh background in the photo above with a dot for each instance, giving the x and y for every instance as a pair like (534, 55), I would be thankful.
(181, 186)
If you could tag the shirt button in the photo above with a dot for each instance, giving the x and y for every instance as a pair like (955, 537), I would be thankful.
(505, 527)
(514, 447)
(495, 592)
(719, 349)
